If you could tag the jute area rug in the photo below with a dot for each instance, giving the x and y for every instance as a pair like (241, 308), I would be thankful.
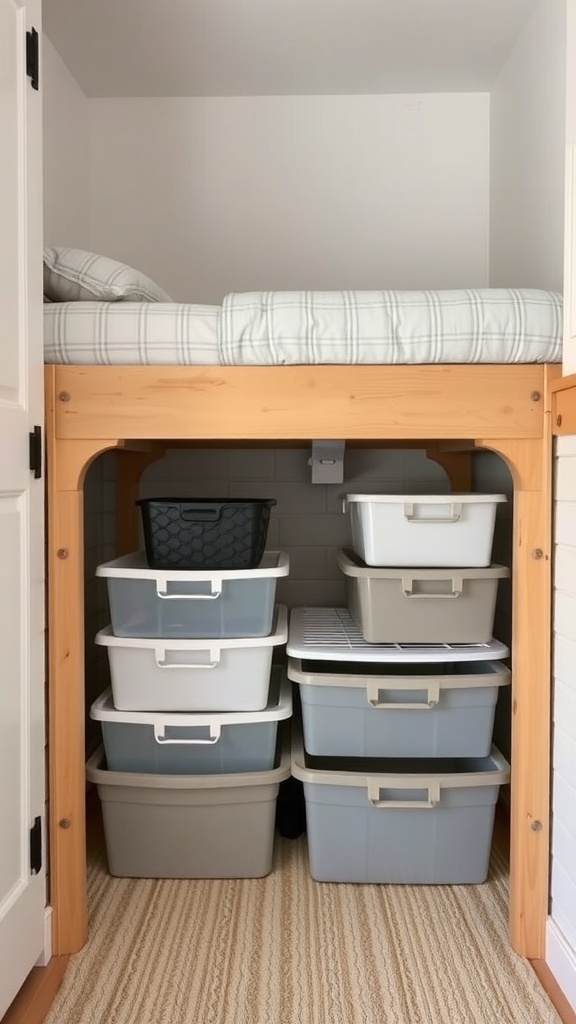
(287, 950)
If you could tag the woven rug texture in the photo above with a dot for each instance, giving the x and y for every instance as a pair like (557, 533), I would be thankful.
(287, 950)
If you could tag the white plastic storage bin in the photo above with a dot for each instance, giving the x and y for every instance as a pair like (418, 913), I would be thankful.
(423, 529)
(415, 821)
(192, 603)
(202, 743)
(192, 675)
(189, 826)
(421, 605)
(421, 709)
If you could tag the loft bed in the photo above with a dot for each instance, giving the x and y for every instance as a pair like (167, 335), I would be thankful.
(490, 393)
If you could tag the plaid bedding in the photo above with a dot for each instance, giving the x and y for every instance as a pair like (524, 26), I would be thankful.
(272, 328)
(131, 333)
(464, 326)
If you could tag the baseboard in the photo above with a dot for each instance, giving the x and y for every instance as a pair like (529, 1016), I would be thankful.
(561, 962)
(46, 954)
(37, 994)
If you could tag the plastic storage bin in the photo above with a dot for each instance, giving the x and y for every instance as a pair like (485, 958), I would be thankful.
(423, 529)
(201, 743)
(192, 604)
(421, 605)
(192, 675)
(188, 826)
(205, 533)
(405, 710)
(420, 821)
(331, 634)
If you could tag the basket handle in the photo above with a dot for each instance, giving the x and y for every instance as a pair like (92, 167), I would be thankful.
(162, 662)
(162, 592)
(373, 688)
(433, 787)
(454, 516)
(160, 735)
(408, 584)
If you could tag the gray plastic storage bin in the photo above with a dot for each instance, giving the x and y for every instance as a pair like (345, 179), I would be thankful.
(423, 529)
(398, 710)
(192, 603)
(416, 821)
(188, 826)
(203, 743)
(192, 675)
(421, 605)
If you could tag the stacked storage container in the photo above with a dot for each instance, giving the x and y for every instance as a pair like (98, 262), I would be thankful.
(193, 755)
(398, 696)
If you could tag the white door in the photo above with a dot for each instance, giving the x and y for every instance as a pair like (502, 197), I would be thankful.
(22, 792)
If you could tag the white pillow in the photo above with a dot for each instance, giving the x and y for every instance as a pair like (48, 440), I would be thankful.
(72, 275)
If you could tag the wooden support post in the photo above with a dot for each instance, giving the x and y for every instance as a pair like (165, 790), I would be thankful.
(67, 462)
(530, 465)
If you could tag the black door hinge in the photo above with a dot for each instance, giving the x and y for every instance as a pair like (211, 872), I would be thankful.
(36, 847)
(36, 452)
(32, 66)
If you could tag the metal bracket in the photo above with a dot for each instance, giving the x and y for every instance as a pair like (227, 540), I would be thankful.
(327, 462)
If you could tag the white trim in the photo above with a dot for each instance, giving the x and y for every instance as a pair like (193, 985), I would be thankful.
(561, 959)
(46, 955)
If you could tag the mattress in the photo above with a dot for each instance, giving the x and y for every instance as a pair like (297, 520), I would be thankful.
(277, 328)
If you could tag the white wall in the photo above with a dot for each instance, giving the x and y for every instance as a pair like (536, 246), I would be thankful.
(527, 140)
(65, 114)
(211, 195)
(561, 936)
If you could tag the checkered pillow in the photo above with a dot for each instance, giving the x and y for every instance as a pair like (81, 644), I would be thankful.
(72, 275)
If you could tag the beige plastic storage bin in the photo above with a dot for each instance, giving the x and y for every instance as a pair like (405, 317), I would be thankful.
(423, 529)
(189, 826)
(421, 606)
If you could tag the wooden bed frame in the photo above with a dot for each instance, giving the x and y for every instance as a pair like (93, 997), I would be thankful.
(449, 410)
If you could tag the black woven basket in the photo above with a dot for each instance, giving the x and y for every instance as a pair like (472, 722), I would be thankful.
(205, 533)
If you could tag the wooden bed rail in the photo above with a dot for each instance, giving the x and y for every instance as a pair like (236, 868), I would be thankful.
(501, 408)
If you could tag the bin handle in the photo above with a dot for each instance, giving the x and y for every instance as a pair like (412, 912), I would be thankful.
(160, 735)
(408, 583)
(454, 517)
(160, 657)
(165, 596)
(374, 686)
(433, 800)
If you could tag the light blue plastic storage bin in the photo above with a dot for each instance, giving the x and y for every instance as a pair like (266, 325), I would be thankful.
(192, 604)
(204, 743)
(413, 821)
(393, 709)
